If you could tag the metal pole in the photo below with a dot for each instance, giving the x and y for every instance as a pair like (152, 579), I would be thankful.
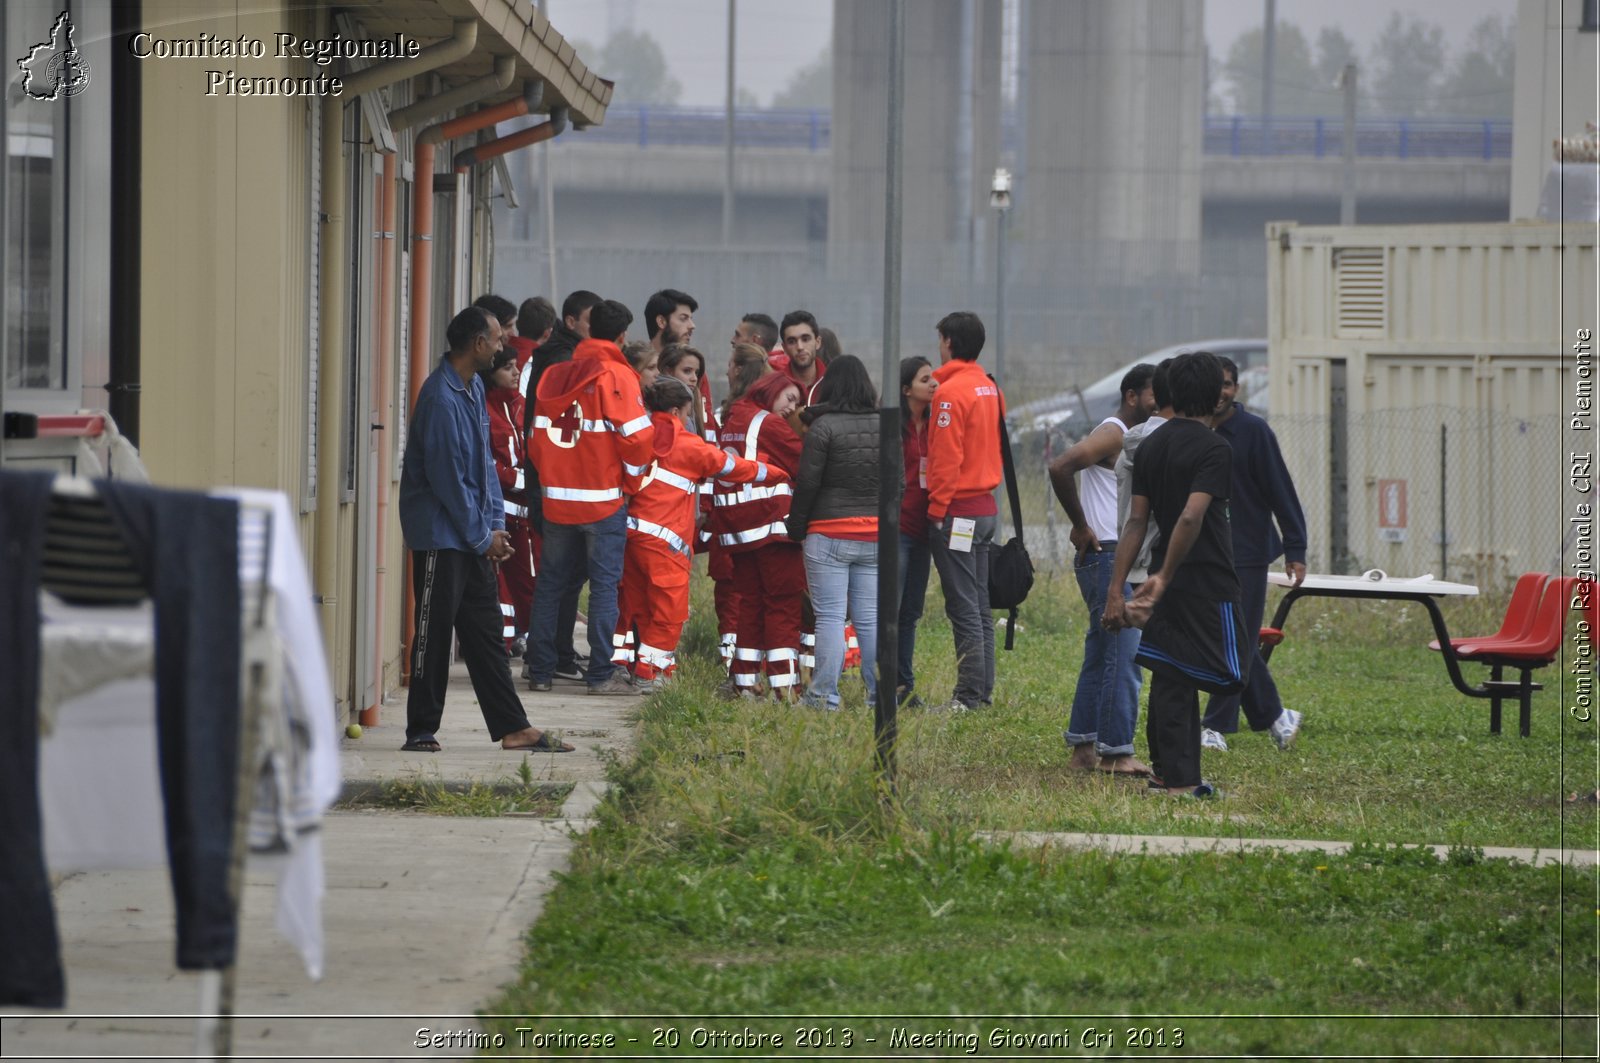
(890, 470)
(548, 193)
(1444, 525)
(1000, 305)
(964, 138)
(727, 140)
(1269, 46)
(1347, 180)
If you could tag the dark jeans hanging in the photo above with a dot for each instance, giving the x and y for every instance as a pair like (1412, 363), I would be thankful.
(186, 547)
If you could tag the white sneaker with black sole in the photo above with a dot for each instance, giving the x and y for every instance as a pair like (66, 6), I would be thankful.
(1285, 728)
(1210, 739)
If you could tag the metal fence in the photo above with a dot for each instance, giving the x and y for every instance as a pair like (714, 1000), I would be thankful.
(1465, 495)
(1236, 135)
(1073, 312)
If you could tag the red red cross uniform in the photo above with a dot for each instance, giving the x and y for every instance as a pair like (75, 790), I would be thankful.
(654, 600)
(748, 520)
(516, 572)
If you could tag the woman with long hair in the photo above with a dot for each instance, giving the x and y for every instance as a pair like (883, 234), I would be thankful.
(748, 521)
(687, 364)
(835, 516)
(916, 398)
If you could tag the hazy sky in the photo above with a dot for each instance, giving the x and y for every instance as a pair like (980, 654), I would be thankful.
(777, 37)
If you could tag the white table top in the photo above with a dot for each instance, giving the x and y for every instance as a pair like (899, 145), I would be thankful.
(1377, 584)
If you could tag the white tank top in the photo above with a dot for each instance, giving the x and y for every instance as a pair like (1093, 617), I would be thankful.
(1097, 492)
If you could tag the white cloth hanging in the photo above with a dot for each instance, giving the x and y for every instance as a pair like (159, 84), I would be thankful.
(99, 782)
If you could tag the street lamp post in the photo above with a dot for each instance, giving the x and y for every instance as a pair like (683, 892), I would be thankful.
(1000, 200)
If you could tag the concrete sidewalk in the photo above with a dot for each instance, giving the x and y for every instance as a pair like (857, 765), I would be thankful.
(424, 916)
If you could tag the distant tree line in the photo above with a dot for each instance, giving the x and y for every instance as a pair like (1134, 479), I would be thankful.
(1407, 73)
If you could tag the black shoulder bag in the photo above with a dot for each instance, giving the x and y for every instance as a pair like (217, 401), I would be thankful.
(1010, 568)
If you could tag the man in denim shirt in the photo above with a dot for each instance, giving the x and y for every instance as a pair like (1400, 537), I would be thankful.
(453, 518)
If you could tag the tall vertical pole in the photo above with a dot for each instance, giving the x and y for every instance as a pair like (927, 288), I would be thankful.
(1000, 304)
(727, 140)
(1269, 47)
(548, 194)
(1347, 179)
(1444, 511)
(891, 473)
(965, 223)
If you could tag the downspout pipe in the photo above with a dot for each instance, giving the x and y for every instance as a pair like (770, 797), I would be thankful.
(332, 316)
(431, 107)
(383, 406)
(419, 356)
(423, 152)
(467, 158)
(505, 69)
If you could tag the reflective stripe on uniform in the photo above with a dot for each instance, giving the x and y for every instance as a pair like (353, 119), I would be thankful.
(666, 535)
(751, 433)
(585, 425)
(636, 425)
(754, 535)
(682, 483)
(749, 493)
(513, 509)
(656, 657)
(635, 470)
(579, 494)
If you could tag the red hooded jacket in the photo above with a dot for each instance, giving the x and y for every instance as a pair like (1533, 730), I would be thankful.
(751, 516)
(589, 431)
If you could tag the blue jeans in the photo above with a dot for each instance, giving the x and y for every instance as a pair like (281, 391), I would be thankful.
(915, 561)
(842, 574)
(561, 567)
(1106, 704)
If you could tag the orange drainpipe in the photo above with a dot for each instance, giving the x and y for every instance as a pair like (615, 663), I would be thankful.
(381, 355)
(420, 357)
(470, 157)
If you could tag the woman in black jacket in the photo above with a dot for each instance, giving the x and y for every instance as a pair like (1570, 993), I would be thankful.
(835, 514)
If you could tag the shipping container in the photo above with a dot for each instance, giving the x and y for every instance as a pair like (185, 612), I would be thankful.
(1424, 381)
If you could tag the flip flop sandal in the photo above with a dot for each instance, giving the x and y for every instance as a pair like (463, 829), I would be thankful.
(421, 744)
(547, 743)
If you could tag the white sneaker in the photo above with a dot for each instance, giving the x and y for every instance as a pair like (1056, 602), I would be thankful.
(1210, 739)
(1285, 727)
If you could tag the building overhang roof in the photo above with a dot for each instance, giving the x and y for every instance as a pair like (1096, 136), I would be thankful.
(504, 28)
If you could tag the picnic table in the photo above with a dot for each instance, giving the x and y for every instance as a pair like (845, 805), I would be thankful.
(1377, 585)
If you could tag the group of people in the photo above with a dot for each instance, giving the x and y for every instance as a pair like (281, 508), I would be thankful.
(1181, 494)
(547, 451)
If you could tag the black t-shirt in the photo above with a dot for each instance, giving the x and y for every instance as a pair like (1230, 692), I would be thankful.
(1183, 458)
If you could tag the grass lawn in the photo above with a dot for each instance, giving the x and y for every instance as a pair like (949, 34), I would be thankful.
(746, 867)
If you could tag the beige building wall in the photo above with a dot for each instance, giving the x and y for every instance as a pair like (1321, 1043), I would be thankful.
(225, 263)
(1555, 92)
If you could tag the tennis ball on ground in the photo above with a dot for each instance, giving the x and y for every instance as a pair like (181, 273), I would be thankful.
(353, 731)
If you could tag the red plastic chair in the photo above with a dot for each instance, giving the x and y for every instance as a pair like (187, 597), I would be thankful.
(1518, 619)
(1534, 648)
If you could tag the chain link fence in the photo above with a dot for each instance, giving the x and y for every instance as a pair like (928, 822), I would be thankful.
(1465, 495)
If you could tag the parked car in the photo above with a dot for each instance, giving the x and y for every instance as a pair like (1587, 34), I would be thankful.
(1056, 422)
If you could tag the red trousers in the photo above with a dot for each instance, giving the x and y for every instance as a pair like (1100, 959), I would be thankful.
(771, 581)
(726, 596)
(516, 580)
(652, 605)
